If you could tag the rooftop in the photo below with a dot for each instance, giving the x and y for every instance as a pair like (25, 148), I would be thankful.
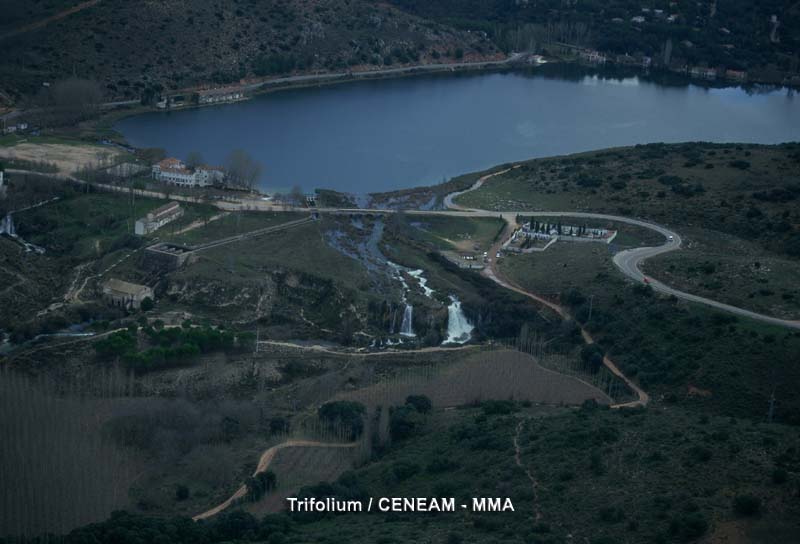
(124, 287)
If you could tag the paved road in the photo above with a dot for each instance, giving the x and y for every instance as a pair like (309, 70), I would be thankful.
(629, 260)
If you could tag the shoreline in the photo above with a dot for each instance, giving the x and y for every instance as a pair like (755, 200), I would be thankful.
(302, 81)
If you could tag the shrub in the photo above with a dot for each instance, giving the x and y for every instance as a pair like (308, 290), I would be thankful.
(260, 484)
(746, 505)
(404, 421)
(403, 470)
(779, 476)
(592, 357)
(347, 413)
(181, 493)
(421, 403)
(499, 407)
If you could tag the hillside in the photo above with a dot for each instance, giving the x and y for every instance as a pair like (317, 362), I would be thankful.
(761, 38)
(131, 46)
(586, 475)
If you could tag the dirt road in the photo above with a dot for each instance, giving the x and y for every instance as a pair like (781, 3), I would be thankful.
(263, 464)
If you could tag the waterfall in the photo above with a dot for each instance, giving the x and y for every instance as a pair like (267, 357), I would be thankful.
(406, 329)
(7, 226)
(459, 329)
(423, 282)
(393, 323)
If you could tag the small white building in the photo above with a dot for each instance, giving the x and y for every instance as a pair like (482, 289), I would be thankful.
(158, 218)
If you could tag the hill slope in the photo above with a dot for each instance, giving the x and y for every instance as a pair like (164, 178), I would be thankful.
(129, 46)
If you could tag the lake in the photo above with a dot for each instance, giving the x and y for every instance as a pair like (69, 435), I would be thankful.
(371, 136)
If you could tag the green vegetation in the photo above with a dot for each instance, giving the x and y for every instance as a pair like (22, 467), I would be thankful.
(230, 224)
(139, 59)
(690, 354)
(260, 484)
(454, 233)
(166, 347)
(736, 35)
(573, 458)
(740, 231)
(658, 181)
(82, 226)
(727, 268)
(347, 414)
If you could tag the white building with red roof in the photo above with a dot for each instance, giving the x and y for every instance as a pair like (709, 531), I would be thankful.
(175, 172)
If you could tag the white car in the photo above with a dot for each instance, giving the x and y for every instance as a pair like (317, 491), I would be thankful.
(671, 238)
(498, 255)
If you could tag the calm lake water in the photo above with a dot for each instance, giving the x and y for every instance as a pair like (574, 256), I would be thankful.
(374, 136)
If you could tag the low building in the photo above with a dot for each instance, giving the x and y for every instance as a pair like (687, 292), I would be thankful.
(735, 75)
(175, 172)
(158, 218)
(123, 294)
(217, 96)
(165, 257)
(592, 56)
(209, 175)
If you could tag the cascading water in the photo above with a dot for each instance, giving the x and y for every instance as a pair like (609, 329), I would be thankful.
(7, 226)
(407, 329)
(423, 282)
(459, 329)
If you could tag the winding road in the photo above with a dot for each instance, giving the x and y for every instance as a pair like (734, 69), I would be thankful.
(263, 464)
(629, 260)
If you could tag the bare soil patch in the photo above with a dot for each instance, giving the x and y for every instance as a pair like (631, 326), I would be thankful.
(68, 158)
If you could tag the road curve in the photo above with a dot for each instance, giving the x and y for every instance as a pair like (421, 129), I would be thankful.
(629, 260)
(263, 463)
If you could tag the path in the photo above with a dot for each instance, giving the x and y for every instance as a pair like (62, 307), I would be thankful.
(323, 349)
(629, 260)
(263, 463)
(47, 20)
(200, 223)
(253, 234)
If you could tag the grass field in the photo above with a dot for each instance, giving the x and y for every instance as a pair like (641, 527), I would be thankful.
(729, 269)
(86, 225)
(456, 233)
(503, 374)
(746, 191)
(229, 224)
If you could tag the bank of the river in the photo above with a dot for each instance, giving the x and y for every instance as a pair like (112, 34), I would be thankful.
(379, 136)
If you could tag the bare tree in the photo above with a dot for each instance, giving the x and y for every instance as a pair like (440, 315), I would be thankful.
(194, 160)
(297, 196)
(242, 169)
